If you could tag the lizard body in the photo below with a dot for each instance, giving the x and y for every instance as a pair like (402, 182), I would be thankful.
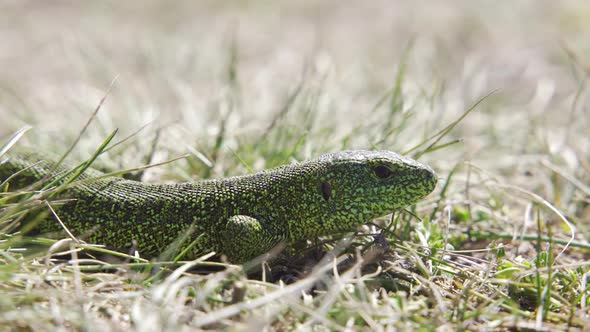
(242, 216)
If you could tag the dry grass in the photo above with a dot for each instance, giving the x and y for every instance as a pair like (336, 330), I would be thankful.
(241, 86)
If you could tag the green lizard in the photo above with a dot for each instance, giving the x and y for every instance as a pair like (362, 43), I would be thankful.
(241, 217)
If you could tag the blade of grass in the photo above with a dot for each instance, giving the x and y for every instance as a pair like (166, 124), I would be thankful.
(119, 173)
(90, 119)
(13, 139)
(443, 132)
(74, 173)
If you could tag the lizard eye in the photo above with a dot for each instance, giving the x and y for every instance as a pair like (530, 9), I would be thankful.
(382, 172)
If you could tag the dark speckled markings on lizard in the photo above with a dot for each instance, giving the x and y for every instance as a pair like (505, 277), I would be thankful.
(241, 217)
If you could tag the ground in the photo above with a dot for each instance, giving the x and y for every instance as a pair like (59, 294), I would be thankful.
(493, 97)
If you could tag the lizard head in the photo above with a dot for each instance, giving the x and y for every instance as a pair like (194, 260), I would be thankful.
(349, 188)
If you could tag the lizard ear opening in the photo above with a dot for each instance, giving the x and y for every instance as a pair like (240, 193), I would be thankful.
(326, 188)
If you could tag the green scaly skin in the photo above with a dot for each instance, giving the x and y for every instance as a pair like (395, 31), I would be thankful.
(241, 217)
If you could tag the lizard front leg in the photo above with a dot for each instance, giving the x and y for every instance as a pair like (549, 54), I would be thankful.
(245, 237)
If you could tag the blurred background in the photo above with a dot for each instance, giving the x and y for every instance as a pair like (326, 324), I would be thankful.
(344, 74)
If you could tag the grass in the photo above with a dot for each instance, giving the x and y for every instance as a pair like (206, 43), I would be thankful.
(495, 103)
